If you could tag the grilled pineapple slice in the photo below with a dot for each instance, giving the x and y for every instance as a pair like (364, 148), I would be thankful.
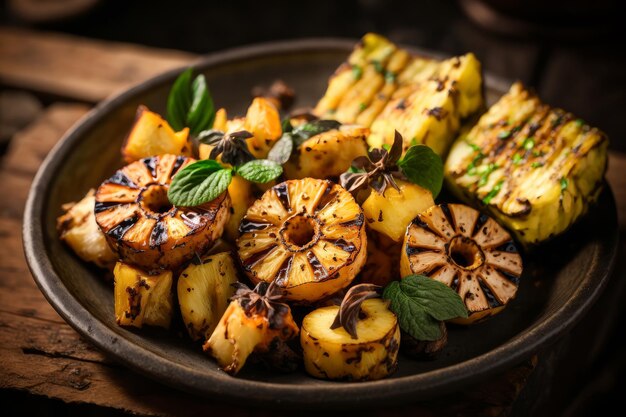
(392, 212)
(306, 235)
(534, 168)
(385, 88)
(152, 135)
(468, 252)
(250, 324)
(142, 298)
(78, 228)
(328, 154)
(203, 293)
(142, 226)
(334, 354)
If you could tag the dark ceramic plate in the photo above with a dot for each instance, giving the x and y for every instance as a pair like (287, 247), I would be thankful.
(559, 284)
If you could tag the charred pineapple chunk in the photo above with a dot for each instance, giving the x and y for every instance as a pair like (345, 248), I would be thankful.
(335, 354)
(383, 260)
(390, 213)
(78, 228)
(143, 227)
(328, 154)
(535, 168)
(306, 235)
(469, 252)
(203, 293)
(142, 298)
(255, 321)
(383, 87)
(152, 135)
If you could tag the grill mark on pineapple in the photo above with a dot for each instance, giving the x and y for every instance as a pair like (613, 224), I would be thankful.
(492, 300)
(482, 219)
(282, 193)
(448, 216)
(344, 245)
(151, 164)
(179, 161)
(283, 272)
(158, 235)
(319, 272)
(104, 205)
(248, 226)
(358, 222)
(118, 231)
(120, 178)
(253, 259)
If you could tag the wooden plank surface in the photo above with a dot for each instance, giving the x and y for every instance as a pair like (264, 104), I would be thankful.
(42, 355)
(78, 68)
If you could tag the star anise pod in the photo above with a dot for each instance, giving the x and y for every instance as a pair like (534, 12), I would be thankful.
(263, 300)
(376, 170)
(231, 146)
(348, 315)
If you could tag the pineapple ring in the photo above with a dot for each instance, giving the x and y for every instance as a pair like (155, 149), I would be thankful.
(468, 252)
(307, 235)
(141, 225)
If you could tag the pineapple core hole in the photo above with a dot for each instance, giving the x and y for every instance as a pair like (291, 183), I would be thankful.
(300, 232)
(154, 199)
(465, 253)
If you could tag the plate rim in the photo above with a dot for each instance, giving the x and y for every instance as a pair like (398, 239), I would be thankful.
(220, 385)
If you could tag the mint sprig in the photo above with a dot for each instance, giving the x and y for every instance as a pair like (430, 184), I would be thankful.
(420, 303)
(189, 103)
(205, 180)
(422, 166)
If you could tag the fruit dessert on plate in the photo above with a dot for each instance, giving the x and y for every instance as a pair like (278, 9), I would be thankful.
(317, 239)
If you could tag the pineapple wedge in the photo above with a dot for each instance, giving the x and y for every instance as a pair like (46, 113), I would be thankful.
(535, 168)
(334, 354)
(328, 154)
(392, 212)
(78, 228)
(306, 235)
(253, 322)
(385, 88)
(152, 135)
(241, 193)
(142, 298)
(203, 293)
(262, 120)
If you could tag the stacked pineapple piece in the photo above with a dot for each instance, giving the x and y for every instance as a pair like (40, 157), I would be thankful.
(384, 87)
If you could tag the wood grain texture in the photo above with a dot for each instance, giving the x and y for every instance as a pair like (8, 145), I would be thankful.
(76, 68)
(42, 355)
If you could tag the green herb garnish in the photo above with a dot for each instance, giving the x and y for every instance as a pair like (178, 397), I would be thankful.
(378, 67)
(517, 159)
(199, 183)
(390, 77)
(293, 137)
(494, 192)
(357, 71)
(505, 134)
(189, 104)
(564, 183)
(537, 164)
(421, 303)
(529, 143)
(484, 176)
(423, 167)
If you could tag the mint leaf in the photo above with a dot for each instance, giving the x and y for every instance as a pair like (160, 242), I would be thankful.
(281, 151)
(199, 183)
(421, 303)
(189, 104)
(179, 100)
(260, 170)
(423, 167)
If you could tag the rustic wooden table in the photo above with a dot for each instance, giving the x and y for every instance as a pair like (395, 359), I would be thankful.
(40, 354)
